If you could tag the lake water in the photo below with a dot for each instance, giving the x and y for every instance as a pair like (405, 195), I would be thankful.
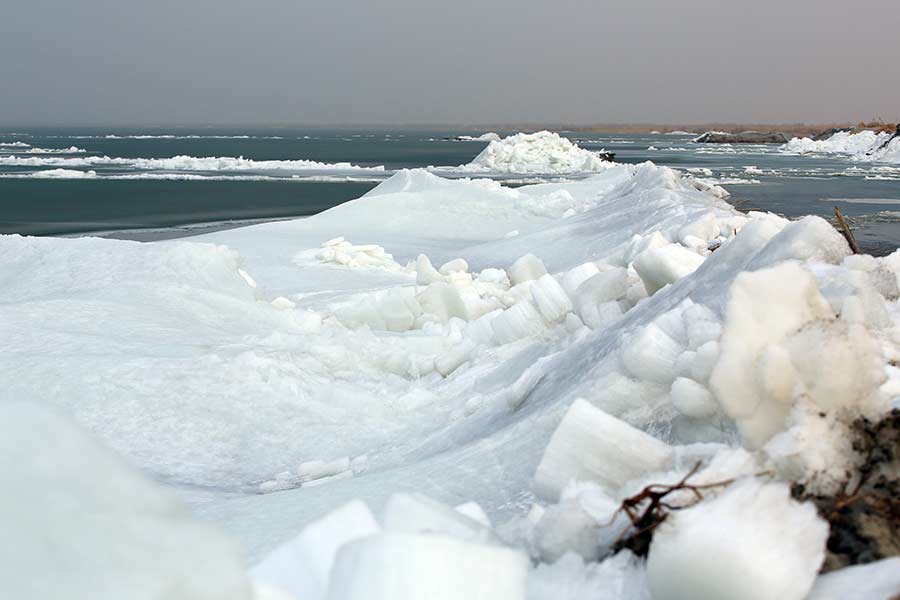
(47, 187)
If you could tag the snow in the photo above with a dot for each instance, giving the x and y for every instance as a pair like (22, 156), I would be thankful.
(78, 523)
(275, 373)
(864, 146)
(751, 539)
(543, 152)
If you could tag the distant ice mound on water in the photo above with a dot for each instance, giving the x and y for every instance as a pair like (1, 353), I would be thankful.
(543, 152)
(862, 146)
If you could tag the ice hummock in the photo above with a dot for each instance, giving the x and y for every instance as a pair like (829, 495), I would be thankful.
(864, 146)
(543, 152)
(448, 353)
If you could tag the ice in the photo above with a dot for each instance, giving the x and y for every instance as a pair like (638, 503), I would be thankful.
(763, 308)
(663, 265)
(526, 268)
(80, 524)
(397, 566)
(453, 385)
(187, 163)
(457, 264)
(550, 298)
(484, 137)
(590, 445)
(542, 152)
(878, 580)
(652, 355)
(693, 399)
(302, 565)
(416, 513)
(861, 146)
(751, 539)
(620, 577)
(518, 321)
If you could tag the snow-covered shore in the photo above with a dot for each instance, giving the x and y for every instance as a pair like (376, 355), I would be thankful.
(445, 389)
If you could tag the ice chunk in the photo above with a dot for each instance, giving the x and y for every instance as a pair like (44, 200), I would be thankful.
(400, 566)
(705, 228)
(526, 268)
(453, 358)
(78, 523)
(301, 566)
(455, 265)
(701, 332)
(425, 271)
(474, 511)
(591, 445)
(518, 321)
(444, 301)
(809, 238)
(763, 308)
(652, 355)
(550, 298)
(873, 581)
(704, 361)
(598, 291)
(317, 469)
(417, 513)
(282, 303)
(692, 399)
(575, 277)
(661, 266)
(752, 539)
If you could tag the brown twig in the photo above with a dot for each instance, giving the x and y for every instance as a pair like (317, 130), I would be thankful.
(845, 230)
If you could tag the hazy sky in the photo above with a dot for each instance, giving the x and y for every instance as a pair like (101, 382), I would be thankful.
(422, 61)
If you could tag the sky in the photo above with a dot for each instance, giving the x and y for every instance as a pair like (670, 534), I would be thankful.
(298, 62)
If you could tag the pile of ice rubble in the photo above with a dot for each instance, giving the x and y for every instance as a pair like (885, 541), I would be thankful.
(543, 152)
(864, 146)
(734, 350)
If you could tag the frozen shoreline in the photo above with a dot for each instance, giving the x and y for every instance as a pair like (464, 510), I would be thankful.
(451, 338)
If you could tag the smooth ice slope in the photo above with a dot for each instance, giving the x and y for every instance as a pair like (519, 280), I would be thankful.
(78, 524)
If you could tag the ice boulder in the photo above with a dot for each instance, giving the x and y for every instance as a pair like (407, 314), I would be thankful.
(550, 298)
(661, 266)
(398, 566)
(693, 399)
(79, 524)
(301, 566)
(753, 541)
(591, 445)
(519, 321)
(752, 378)
(526, 268)
(652, 355)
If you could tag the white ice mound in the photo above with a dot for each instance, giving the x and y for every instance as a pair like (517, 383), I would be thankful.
(751, 542)
(397, 566)
(590, 445)
(861, 146)
(79, 524)
(536, 153)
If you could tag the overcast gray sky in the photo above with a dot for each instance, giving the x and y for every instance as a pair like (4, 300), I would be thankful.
(464, 61)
